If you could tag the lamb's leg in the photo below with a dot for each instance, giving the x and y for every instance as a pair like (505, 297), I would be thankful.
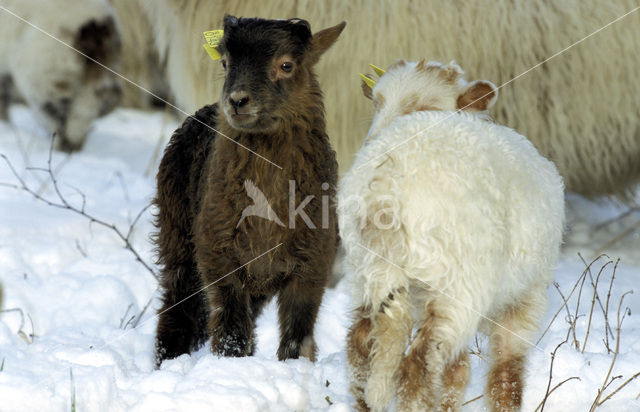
(183, 315)
(454, 381)
(6, 85)
(257, 304)
(440, 340)
(231, 324)
(182, 327)
(510, 343)
(391, 330)
(298, 304)
(358, 352)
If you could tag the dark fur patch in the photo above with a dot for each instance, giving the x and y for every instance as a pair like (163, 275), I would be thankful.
(57, 110)
(98, 40)
(6, 86)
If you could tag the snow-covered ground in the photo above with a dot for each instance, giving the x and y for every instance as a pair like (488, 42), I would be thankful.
(71, 290)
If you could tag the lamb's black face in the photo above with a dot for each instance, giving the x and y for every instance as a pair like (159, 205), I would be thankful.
(263, 62)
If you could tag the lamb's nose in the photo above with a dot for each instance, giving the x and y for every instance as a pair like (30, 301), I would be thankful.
(238, 99)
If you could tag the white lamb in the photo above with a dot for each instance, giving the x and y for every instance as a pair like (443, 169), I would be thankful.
(65, 89)
(451, 224)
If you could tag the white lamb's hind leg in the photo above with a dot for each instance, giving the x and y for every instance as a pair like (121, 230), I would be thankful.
(390, 333)
(454, 382)
(358, 355)
(510, 343)
(435, 367)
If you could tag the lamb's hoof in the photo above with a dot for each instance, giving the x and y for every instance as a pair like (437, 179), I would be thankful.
(232, 346)
(65, 145)
(293, 349)
(379, 392)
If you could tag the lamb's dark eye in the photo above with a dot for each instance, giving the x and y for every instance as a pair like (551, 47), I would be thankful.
(224, 64)
(287, 67)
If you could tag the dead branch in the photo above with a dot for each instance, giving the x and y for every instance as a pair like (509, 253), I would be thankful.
(619, 237)
(135, 323)
(593, 302)
(576, 343)
(122, 324)
(477, 351)
(472, 400)
(572, 323)
(606, 310)
(553, 357)
(557, 386)
(617, 218)
(566, 301)
(596, 401)
(62, 203)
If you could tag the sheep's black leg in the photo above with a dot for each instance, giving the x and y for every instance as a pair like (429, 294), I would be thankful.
(298, 308)
(182, 328)
(182, 318)
(231, 323)
(6, 85)
(257, 304)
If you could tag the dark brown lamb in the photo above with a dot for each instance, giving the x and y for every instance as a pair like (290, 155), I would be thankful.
(271, 136)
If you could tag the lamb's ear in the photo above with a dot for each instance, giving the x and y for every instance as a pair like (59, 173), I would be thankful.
(322, 40)
(478, 96)
(367, 89)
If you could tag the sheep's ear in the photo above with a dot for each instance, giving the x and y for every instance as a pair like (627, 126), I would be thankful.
(229, 20)
(367, 84)
(322, 40)
(478, 96)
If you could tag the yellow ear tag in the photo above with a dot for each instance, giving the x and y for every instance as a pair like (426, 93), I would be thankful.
(378, 70)
(368, 80)
(213, 38)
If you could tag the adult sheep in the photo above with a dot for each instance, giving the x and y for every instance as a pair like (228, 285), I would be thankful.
(451, 224)
(576, 109)
(225, 252)
(67, 90)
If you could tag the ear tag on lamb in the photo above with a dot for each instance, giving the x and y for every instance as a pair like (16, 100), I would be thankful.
(213, 38)
(368, 80)
(378, 70)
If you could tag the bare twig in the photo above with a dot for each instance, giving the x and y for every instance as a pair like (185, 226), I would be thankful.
(557, 386)
(596, 401)
(125, 316)
(606, 310)
(472, 400)
(607, 326)
(139, 317)
(619, 237)
(566, 301)
(576, 343)
(123, 185)
(62, 203)
(593, 301)
(569, 317)
(135, 220)
(617, 218)
(553, 357)
(80, 249)
(477, 351)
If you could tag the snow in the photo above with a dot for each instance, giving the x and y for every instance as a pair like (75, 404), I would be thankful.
(71, 289)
